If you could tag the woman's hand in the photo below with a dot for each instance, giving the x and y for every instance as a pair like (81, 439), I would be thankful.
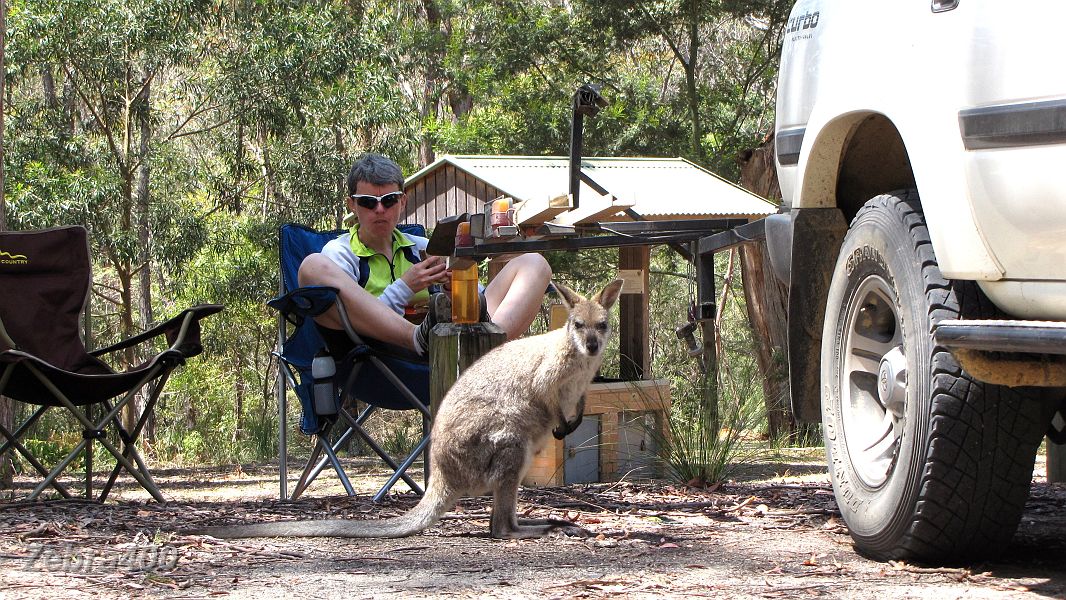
(424, 274)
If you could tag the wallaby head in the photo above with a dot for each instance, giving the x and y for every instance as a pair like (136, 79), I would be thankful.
(587, 326)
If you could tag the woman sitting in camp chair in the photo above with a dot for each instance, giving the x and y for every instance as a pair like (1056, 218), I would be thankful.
(379, 272)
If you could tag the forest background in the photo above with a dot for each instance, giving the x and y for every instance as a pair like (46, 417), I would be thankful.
(182, 133)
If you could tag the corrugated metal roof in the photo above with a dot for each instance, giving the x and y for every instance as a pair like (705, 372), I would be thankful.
(659, 187)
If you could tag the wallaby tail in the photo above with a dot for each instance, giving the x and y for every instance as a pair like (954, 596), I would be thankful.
(425, 514)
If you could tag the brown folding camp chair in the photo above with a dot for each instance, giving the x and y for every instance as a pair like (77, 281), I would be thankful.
(45, 279)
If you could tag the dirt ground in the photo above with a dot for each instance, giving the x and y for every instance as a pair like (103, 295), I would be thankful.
(773, 532)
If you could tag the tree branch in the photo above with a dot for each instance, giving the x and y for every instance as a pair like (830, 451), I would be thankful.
(108, 135)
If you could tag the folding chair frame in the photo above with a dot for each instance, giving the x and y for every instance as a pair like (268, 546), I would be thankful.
(323, 443)
(127, 458)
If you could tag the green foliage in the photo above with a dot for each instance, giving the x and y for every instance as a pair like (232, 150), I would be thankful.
(706, 443)
(401, 434)
(240, 116)
(50, 450)
(706, 440)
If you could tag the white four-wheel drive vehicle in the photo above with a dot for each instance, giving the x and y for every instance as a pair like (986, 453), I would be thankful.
(921, 148)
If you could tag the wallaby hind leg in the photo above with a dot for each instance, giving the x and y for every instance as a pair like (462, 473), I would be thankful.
(506, 524)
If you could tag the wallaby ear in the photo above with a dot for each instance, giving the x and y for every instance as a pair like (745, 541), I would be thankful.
(609, 294)
(569, 296)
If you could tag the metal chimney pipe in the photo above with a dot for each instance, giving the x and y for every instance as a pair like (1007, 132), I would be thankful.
(587, 101)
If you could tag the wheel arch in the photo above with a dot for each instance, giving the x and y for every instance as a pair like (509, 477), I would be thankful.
(852, 159)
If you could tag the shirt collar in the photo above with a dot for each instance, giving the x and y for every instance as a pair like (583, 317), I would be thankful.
(399, 240)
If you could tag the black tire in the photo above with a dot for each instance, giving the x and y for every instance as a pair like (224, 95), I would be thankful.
(949, 478)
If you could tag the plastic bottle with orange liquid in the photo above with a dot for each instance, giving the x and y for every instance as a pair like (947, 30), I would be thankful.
(465, 307)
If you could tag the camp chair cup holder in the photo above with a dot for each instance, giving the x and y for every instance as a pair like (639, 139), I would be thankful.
(323, 369)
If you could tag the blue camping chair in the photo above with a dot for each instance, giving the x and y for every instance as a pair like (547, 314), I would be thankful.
(379, 376)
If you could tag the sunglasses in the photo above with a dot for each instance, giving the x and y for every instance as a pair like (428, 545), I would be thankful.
(370, 202)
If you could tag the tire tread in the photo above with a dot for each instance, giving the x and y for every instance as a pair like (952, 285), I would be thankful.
(983, 437)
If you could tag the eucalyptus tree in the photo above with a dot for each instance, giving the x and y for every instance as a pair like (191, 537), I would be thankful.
(87, 160)
(503, 72)
(726, 50)
(306, 85)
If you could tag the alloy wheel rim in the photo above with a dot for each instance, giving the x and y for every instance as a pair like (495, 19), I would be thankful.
(873, 381)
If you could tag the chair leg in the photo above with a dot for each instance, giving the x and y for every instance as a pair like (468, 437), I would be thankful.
(305, 479)
(328, 449)
(145, 482)
(57, 470)
(283, 416)
(397, 471)
(315, 465)
(321, 464)
(129, 439)
(401, 472)
(89, 459)
(13, 443)
(427, 424)
(129, 452)
(89, 426)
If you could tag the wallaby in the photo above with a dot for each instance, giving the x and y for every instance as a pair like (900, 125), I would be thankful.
(492, 421)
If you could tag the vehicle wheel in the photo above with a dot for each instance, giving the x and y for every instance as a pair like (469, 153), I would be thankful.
(926, 463)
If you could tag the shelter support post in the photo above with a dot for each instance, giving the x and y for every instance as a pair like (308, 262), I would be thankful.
(452, 348)
(703, 258)
(633, 314)
(704, 314)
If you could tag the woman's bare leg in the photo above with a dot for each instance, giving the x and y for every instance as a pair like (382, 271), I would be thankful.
(368, 315)
(514, 296)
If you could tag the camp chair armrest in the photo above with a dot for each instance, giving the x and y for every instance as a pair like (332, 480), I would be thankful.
(182, 332)
(304, 302)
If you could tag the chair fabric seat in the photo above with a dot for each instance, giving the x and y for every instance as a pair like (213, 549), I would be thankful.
(82, 388)
(370, 385)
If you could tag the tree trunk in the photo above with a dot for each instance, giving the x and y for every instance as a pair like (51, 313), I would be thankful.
(767, 299)
(131, 410)
(269, 185)
(238, 404)
(433, 73)
(696, 131)
(48, 87)
(144, 236)
(342, 180)
(70, 111)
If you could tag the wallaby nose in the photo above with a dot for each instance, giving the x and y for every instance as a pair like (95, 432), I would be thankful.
(592, 345)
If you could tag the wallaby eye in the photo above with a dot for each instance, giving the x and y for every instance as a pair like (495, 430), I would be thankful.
(578, 324)
(601, 326)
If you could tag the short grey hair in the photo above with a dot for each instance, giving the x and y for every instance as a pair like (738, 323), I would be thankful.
(374, 169)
